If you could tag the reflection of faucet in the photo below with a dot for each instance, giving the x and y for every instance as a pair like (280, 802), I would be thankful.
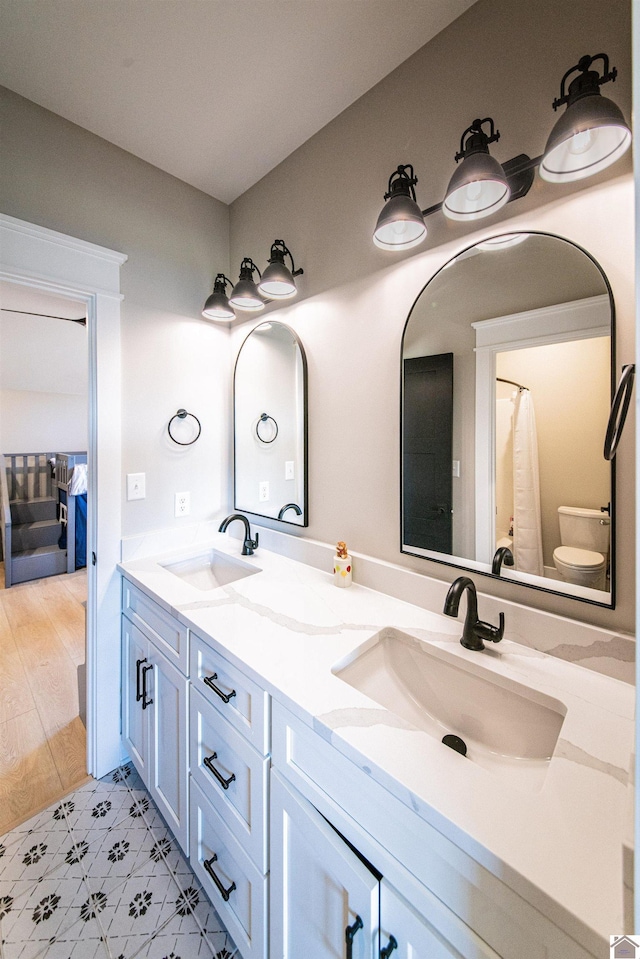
(249, 544)
(293, 506)
(474, 629)
(502, 555)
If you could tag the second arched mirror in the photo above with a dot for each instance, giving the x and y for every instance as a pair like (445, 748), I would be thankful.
(507, 364)
(270, 425)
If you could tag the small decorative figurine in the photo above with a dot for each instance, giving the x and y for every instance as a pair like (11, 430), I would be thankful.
(342, 566)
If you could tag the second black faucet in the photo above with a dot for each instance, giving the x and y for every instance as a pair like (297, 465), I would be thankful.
(249, 544)
(474, 631)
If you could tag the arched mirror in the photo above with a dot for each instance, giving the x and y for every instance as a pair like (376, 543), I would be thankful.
(507, 369)
(270, 425)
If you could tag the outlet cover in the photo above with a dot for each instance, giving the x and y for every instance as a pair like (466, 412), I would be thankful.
(136, 485)
(182, 504)
(263, 491)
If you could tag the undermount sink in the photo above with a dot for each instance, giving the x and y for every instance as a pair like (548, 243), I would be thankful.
(506, 726)
(210, 569)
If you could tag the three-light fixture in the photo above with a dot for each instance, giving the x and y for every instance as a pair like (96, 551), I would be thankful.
(590, 135)
(277, 282)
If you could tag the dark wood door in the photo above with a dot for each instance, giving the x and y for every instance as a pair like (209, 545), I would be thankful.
(427, 430)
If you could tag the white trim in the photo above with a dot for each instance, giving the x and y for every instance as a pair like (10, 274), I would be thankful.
(582, 318)
(37, 257)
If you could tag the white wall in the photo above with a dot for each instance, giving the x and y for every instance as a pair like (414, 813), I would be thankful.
(60, 176)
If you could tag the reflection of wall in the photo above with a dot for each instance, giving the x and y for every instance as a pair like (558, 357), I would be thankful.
(569, 383)
(504, 464)
(268, 381)
(43, 384)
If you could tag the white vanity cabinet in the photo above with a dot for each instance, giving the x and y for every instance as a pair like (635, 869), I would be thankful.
(229, 744)
(155, 707)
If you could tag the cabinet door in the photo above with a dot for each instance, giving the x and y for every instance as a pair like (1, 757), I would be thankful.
(169, 762)
(135, 720)
(319, 886)
(405, 933)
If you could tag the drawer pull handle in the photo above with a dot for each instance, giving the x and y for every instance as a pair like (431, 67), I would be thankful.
(225, 893)
(388, 949)
(145, 702)
(223, 782)
(349, 934)
(209, 681)
(139, 663)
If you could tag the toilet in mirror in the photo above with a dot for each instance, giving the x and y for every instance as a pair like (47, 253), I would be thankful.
(270, 425)
(508, 368)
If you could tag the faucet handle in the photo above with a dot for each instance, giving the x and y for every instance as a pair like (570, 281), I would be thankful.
(491, 633)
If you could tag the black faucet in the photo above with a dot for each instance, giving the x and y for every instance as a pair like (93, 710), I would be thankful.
(249, 544)
(293, 506)
(502, 555)
(475, 631)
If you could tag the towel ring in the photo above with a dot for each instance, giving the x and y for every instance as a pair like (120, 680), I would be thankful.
(181, 415)
(619, 410)
(264, 418)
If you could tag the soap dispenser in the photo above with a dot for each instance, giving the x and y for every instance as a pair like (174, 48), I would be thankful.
(342, 566)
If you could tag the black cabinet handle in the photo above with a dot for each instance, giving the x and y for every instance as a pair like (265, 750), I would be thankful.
(619, 410)
(209, 681)
(225, 893)
(223, 782)
(349, 933)
(388, 949)
(145, 702)
(139, 663)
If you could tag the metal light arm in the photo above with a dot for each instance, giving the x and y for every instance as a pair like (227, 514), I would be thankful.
(583, 65)
(409, 181)
(279, 250)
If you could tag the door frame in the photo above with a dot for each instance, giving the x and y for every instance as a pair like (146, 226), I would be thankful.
(43, 259)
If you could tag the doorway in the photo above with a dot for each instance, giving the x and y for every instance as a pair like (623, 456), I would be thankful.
(50, 262)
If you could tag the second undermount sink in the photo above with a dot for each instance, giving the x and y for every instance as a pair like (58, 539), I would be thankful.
(506, 726)
(209, 569)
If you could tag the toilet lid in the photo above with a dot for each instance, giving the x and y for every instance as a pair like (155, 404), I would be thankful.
(578, 558)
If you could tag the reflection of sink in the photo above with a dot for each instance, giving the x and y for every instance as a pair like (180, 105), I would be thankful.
(506, 726)
(210, 569)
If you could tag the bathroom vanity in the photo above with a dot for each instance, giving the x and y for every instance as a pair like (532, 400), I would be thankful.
(292, 748)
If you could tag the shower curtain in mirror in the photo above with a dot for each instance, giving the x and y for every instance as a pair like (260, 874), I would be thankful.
(527, 527)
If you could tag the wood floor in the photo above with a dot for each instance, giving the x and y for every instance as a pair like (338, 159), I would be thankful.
(42, 738)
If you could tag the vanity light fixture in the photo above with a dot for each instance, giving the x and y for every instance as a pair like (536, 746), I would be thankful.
(587, 138)
(592, 133)
(217, 305)
(401, 222)
(245, 295)
(277, 281)
(479, 185)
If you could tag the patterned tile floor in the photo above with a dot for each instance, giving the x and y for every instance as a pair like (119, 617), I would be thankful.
(99, 876)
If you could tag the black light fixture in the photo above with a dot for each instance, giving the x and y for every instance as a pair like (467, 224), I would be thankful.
(401, 223)
(217, 306)
(277, 281)
(245, 295)
(592, 133)
(587, 138)
(479, 185)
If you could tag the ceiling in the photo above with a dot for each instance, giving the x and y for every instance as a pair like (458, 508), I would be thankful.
(215, 92)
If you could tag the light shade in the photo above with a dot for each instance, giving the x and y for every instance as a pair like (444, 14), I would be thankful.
(245, 295)
(401, 223)
(477, 189)
(277, 281)
(217, 305)
(589, 136)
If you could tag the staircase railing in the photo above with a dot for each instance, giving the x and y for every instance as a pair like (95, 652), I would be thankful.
(5, 528)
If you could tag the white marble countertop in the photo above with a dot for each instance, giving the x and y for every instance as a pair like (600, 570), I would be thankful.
(559, 846)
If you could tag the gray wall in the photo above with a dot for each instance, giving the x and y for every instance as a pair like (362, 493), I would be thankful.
(60, 176)
(503, 59)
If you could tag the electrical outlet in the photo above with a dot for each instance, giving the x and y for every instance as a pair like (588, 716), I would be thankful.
(263, 491)
(136, 486)
(182, 504)
(289, 473)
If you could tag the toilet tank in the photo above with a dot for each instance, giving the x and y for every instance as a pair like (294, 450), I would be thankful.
(584, 528)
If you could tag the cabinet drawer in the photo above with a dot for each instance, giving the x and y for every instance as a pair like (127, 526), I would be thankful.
(239, 891)
(164, 631)
(232, 775)
(238, 699)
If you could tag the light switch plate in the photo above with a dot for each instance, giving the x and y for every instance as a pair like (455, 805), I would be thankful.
(289, 473)
(136, 485)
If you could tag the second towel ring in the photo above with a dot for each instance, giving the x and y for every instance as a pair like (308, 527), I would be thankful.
(264, 418)
(181, 415)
